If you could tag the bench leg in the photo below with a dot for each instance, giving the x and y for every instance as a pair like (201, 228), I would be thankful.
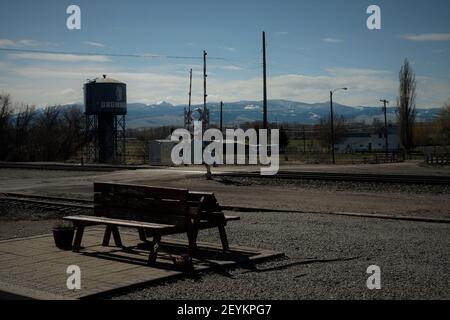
(192, 237)
(223, 237)
(116, 235)
(78, 237)
(142, 235)
(154, 246)
(107, 236)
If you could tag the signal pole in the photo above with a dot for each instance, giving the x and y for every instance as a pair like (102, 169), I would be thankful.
(265, 125)
(385, 102)
(204, 88)
(221, 116)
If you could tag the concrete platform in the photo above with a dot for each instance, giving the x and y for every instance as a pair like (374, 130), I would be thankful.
(33, 268)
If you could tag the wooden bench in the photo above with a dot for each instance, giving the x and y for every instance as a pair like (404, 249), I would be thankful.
(154, 212)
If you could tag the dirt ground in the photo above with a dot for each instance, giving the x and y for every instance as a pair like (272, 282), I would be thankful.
(306, 196)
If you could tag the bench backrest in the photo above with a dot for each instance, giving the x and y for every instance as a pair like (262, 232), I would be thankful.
(209, 203)
(141, 203)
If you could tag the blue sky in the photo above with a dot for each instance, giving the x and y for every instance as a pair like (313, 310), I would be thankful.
(312, 47)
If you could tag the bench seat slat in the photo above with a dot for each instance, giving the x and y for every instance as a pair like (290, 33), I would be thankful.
(121, 222)
(149, 215)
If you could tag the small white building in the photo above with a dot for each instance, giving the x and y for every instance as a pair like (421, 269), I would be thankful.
(160, 152)
(375, 141)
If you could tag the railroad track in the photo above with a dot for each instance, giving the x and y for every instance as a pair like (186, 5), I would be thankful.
(80, 206)
(66, 205)
(351, 177)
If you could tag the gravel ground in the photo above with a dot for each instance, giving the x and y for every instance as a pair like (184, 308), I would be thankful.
(7, 173)
(326, 258)
(17, 222)
(337, 186)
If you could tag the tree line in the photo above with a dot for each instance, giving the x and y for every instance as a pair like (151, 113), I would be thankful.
(52, 133)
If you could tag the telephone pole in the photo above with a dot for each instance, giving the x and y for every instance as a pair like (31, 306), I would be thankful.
(332, 127)
(265, 125)
(221, 116)
(304, 140)
(190, 100)
(204, 89)
(190, 89)
(385, 102)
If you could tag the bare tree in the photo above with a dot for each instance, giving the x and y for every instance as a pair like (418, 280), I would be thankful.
(48, 134)
(73, 137)
(324, 130)
(23, 124)
(406, 105)
(5, 125)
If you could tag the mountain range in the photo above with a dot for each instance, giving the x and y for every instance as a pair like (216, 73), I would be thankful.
(281, 111)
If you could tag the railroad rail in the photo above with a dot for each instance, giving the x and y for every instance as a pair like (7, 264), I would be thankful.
(351, 177)
(70, 166)
(66, 205)
(81, 206)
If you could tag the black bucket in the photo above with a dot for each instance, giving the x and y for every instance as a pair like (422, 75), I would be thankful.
(63, 238)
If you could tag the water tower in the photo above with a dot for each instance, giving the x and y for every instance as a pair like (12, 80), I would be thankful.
(105, 102)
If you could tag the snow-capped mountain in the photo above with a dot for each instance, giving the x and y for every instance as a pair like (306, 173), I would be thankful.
(164, 113)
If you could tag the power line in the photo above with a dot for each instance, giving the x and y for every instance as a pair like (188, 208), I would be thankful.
(107, 54)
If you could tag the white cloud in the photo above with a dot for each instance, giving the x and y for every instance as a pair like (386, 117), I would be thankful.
(231, 68)
(95, 44)
(230, 49)
(332, 40)
(357, 71)
(59, 57)
(7, 43)
(28, 43)
(19, 43)
(426, 37)
(62, 84)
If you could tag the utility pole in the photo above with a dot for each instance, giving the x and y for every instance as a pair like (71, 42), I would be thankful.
(304, 140)
(332, 126)
(221, 116)
(204, 89)
(265, 125)
(190, 100)
(385, 102)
